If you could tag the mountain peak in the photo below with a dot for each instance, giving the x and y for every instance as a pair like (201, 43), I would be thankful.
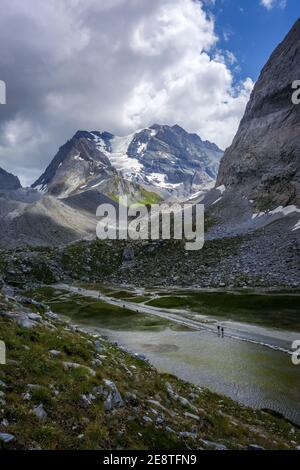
(164, 157)
(8, 181)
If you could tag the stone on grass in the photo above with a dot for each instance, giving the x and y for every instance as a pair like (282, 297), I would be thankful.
(54, 352)
(192, 416)
(214, 445)
(40, 412)
(74, 365)
(255, 447)
(168, 429)
(5, 437)
(191, 435)
(88, 399)
(98, 346)
(35, 317)
(114, 399)
(147, 419)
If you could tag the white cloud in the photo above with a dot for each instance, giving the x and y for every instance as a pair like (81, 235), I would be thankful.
(270, 4)
(116, 66)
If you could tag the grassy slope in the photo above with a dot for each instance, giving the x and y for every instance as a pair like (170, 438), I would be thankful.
(91, 311)
(71, 425)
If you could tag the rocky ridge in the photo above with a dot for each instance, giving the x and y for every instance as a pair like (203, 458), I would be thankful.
(8, 181)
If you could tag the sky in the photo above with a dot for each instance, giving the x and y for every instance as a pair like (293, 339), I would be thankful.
(121, 65)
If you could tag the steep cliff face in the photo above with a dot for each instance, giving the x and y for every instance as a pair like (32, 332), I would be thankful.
(263, 160)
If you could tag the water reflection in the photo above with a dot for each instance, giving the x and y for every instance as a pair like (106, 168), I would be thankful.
(248, 373)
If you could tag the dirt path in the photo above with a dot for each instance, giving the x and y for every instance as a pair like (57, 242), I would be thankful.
(274, 339)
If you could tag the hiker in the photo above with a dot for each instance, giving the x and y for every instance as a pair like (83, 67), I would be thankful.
(222, 332)
(219, 330)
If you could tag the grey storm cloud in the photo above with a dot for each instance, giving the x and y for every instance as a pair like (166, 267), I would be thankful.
(115, 65)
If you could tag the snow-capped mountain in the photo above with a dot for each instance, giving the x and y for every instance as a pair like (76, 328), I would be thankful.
(164, 158)
(77, 164)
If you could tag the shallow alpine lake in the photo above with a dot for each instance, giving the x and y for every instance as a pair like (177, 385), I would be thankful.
(248, 364)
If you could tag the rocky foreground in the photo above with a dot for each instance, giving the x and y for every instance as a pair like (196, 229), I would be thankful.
(65, 389)
(252, 260)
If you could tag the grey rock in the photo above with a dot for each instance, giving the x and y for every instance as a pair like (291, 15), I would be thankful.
(131, 418)
(160, 420)
(35, 386)
(75, 365)
(114, 399)
(87, 400)
(52, 315)
(188, 434)
(5, 437)
(25, 322)
(35, 317)
(214, 445)
(131, 398)
(21, 318)
(183, 401)
(40, 412)
(255, 447)
(99, 346)
(54, 353)
(168, 429)
(147, 419)
(128, 253)
(96, 362)
(8, 290)
(192, 416)
(142, 357)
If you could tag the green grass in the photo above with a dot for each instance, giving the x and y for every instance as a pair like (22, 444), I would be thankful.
(149, 197)
(93, 312)
(267, 309)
